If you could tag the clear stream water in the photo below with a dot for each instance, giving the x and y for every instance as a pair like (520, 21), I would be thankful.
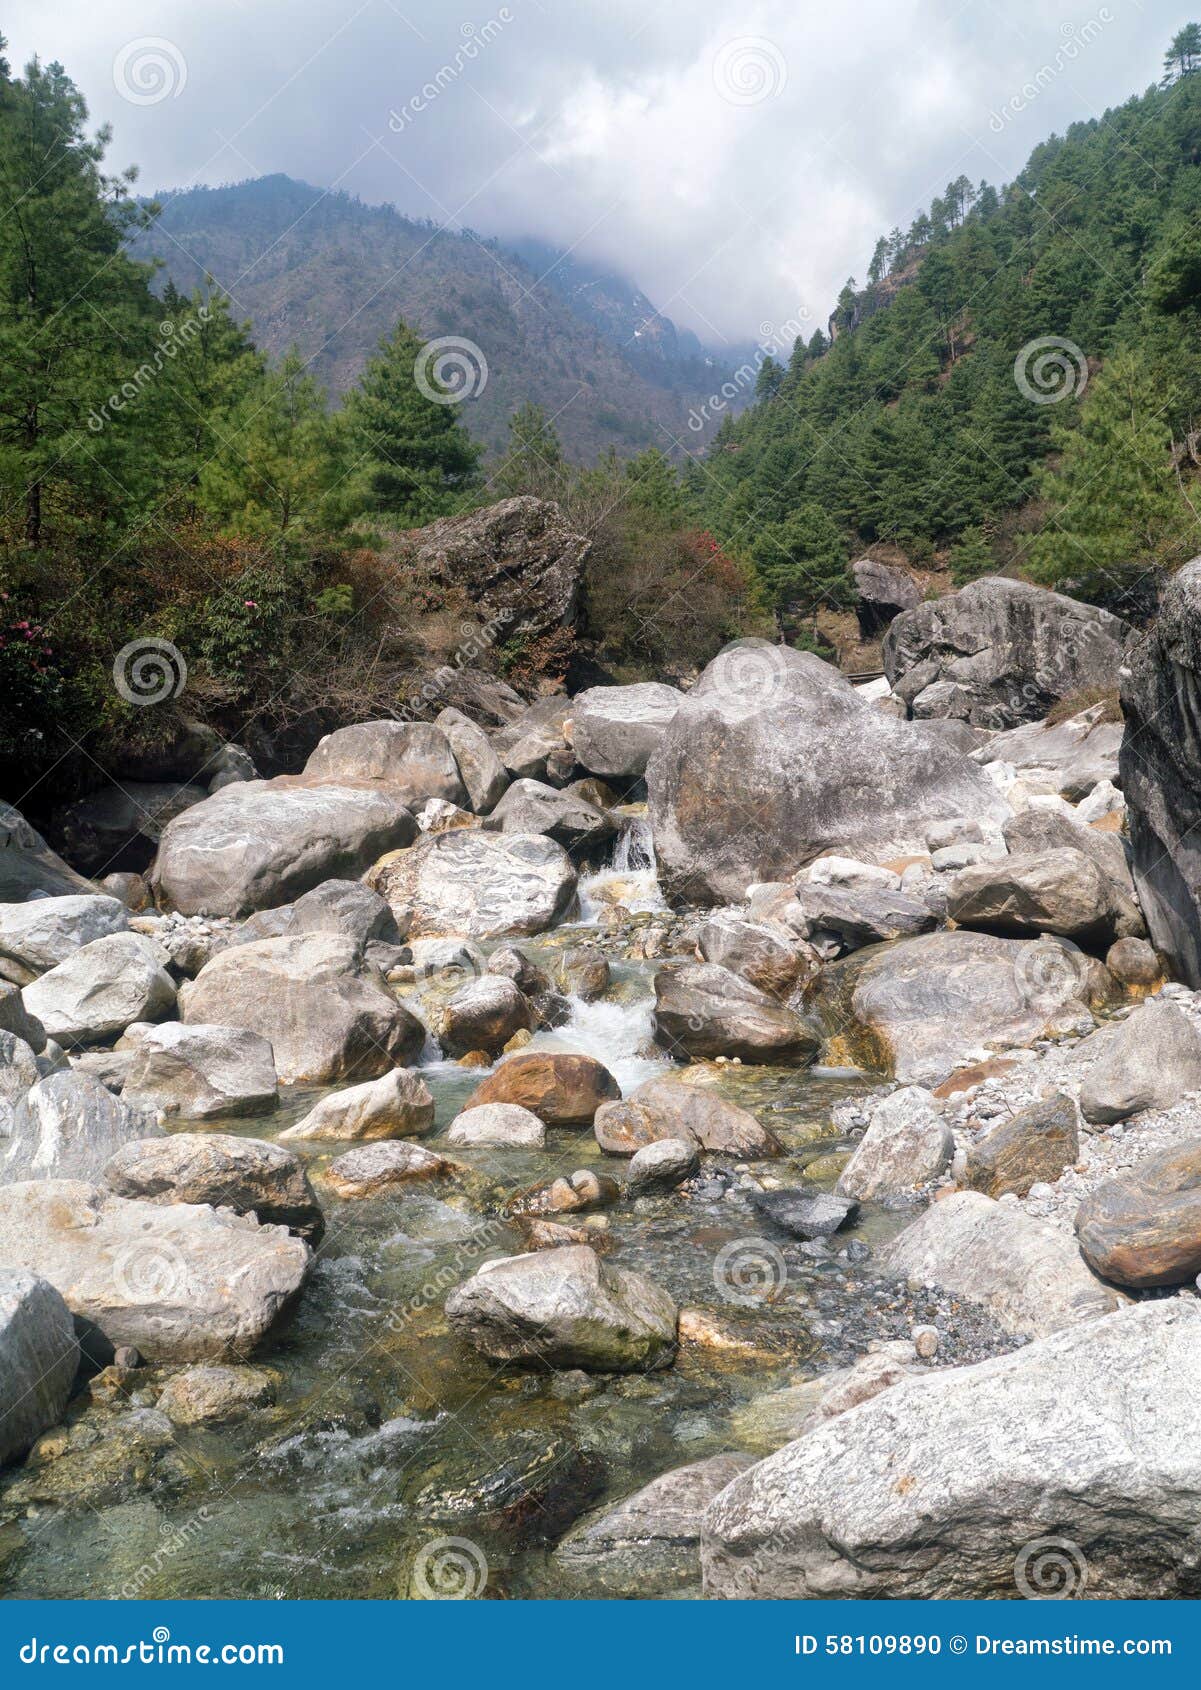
(388, 1433)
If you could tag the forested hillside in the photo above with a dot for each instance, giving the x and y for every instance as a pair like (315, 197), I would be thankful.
(1018, 384)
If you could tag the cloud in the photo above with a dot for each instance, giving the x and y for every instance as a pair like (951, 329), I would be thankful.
(736, 161)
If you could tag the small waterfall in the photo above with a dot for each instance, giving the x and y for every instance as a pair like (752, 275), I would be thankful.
(617, 1034)
(635, 848)
(628, 878)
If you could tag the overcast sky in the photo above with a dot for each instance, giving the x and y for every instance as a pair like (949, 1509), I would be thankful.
(738, 161)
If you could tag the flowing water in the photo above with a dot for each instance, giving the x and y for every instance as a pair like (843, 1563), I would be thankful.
(387, 1434)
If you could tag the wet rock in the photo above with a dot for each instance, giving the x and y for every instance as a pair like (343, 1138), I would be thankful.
(1144, 1227)
(649, 1544)
(412, 760)
(907, 1145)
(1037, 1144)
(565, 1308)
(614, 730)
(66, 1127)
(769, 1422)
(42, 932)
(1133, 962)
(380, 1166)
(582, 1190)
(666, 1107)
(257, 844)
(326, 1013)
(1144, 1062)
(805, 1214)
(397, 1105)
(530, 1490)
(481, 770)
(502, 1125)
(101, 988)
(247, 1175)
(562, 1089)
(1062, 892)
(483, 1015)
(538, 1233)
(1084, 1439)
(86, 1467)
(479, 885)
(38, 1358)
(768, 954)
(180, 1283)
(209, 1396)
(703, 1010)
(662, 1165)
(517, 967)
(197, 1071)
(1027, 1272)
(582, 974)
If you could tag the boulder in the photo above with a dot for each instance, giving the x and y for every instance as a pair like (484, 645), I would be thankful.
(38, 1359)
(1073, 1472)
(101, 989)
(648, 1544)
(614, 730)
(18, 1068)
(197, 1071)
(882, 592)
(768, 1422)
(531, 806)
(1146, 1061)
(703, 1010)
(562, 1089)
(923, 1007)
(805, 1214)
(499, 1126)
(1070, 757)
(347, 907)
(483, 774)
(773, 758)
(1133, 962)
(209, 1396)
(565, 1308)
(767, 953)
(248, 1175)
(1144, 1227)
(16, 1019)
(326, 1014)
(862, 915)
(1062, 892)
(413, 761)
(1032, 1147)
(1026, 1272)
(906, 1146)
(43, 932)
(397, 1105)
(183, 1283)
(27, 864)
(380, 1166)
(582, 974)
(516, 966)
(483, 1015)
(667, 1107)
(1161, 771)
(1040, 829)
(477, 885)
(260, 843)
(66, 1127)
(660, 1166)
(1002, 652)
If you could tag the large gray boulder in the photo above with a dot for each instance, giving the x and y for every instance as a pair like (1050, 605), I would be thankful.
(66, 1127)
(531, 806)
(397, 1105)
(27, 864)
(180, 1283)
(412, 760)
(565, 1308)
(614, 730)
(1028, 1273)
(197, 1071)
(336, 906)
(860, 915)
(18, 1067)
(101, 989)
(260, 843)
(1066, 1468)
(248, 1175)
(43, 932)
(38, 1358)
(773, 758)
(474, 885)
(1161, 771)
(882, 592)
(1070, 756)
(1062, 892)
(326, 1013)
(1147, 1061)
(1001, 652)
(1037, 829)
(483, 774)
(484, 1015)
(704, 1010)
(923, 1007)
(767, 952)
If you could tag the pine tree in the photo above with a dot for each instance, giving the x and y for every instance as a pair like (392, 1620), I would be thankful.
(971, 557)
(767, 382)
(277, 463)
(212, 367)
(414, 457)
(534, 462)
(802, 563)
(1183, 57)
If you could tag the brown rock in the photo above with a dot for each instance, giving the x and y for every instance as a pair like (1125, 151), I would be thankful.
(1133, 962)
(1036, 1145)
(1144, 1228)
(666, 1107)
(562, 1089)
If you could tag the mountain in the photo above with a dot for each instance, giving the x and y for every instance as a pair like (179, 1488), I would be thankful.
(331, 275)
